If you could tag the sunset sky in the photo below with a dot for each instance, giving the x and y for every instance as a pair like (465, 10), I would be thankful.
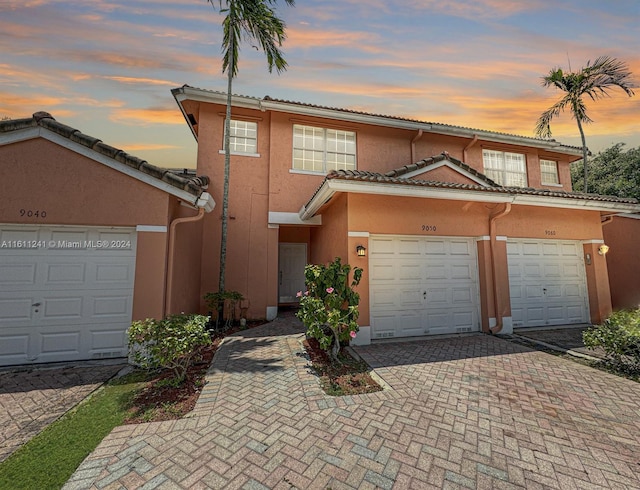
(106, 67)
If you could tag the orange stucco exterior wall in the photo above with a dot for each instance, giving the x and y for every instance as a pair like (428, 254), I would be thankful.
(265, 183)
(150, 278)
(250, 250)
(622, 235)
(73, 189)
(406, 216)
(187, 247)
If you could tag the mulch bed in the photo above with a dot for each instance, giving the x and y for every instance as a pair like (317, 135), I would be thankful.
(348, 377)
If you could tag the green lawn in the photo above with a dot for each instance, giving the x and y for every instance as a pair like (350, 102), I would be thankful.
(50, 458)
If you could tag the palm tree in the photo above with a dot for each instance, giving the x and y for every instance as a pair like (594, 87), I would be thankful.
(595, 81)
(255, 20)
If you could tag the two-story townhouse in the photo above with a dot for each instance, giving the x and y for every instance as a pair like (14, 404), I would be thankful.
(457, 229)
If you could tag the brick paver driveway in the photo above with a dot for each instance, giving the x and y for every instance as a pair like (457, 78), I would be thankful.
(467, 412)
(32, 398)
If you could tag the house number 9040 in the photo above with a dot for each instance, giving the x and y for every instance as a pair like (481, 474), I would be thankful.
(428, 227)
(33, 213)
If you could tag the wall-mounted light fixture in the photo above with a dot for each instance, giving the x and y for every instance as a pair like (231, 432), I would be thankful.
(603, 249)
(361, 251)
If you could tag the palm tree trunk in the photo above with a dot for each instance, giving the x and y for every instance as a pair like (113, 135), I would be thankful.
(585, 150)
(227, 168)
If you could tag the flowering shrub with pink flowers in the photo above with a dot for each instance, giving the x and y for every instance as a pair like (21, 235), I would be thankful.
(329, 306)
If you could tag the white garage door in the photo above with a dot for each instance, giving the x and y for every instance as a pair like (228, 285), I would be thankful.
(547, 283)
(422, 286)
(65, 292)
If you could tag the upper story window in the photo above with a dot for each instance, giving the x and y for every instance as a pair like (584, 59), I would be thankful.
(507, 169)
(322, 150)
(244, 137)
(549, 172)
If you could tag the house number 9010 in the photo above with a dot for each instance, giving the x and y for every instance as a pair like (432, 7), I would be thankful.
(428, 227)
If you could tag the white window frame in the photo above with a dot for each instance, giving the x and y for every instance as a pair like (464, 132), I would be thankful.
(244, 138)
(318, 150)
(505, 168)
(552, 169)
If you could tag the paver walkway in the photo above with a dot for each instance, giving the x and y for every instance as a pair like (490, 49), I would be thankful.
(466, 412)
(30, 399)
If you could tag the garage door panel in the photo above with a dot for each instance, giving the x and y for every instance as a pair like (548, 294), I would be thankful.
(572, 270)
(56, 343)
(461, 271)
(436, 296)
(382, 272)
(409, 324)
(460, 248)
(65, 273)
(16, 309)
(408, 298)
(553, 271)
(68, 308)
(409, 272)
(556, 314)
(532, 270)
(381, 247)
(70, 298)
(409, 247)
(435, 271)
(435, 247)
(555, 291)
(383, 297)
(530, 248)
(109, 340)
(547, 283)
(462, 295)
(111, 307)
(15, 274)
(114, 273)
(442, 296)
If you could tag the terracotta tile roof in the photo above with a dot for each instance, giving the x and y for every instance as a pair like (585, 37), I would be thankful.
(184, 181)
(486, 134)
(361, 176)
(399, 172)
(398, 118)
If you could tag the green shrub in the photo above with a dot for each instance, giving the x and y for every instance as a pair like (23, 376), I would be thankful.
(619, 337)
(329, 307)
(173, 343)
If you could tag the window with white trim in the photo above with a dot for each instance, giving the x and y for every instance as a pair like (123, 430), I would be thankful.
(505, 168)
(244, 137)
(322, 150)
(549, 172)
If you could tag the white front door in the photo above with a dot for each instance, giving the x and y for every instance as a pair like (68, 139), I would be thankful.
(66, 293)
(292, 259)
(422, 286)
(547, 282)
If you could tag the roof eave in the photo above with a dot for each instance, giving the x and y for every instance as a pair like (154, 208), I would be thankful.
(201, 95)
(332, 186)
